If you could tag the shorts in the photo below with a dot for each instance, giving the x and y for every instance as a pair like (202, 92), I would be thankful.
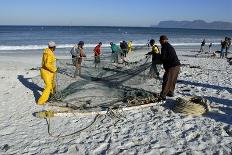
(79, 60)
(76, 60)
(97, 59)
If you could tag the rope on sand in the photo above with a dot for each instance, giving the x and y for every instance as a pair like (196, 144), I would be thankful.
(132, 106)
(112, 112)
(62, 136)
(192, 106)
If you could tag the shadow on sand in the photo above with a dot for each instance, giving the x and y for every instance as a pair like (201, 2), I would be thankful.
(225, 118)
(205, 85)
(30, 85)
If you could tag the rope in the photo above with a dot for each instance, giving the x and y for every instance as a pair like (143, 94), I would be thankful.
(111, 113)
(48, 120)
(192, 106)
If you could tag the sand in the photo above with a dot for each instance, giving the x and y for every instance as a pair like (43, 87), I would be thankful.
(153, 130)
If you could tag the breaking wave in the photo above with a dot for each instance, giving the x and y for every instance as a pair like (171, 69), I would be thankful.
(38, 47)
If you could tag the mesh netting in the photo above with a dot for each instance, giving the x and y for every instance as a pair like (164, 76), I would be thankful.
(108, 84)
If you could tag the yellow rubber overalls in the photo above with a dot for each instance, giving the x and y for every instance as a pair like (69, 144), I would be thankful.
(48, 71)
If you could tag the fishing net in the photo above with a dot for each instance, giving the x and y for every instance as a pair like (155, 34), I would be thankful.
(97, 88)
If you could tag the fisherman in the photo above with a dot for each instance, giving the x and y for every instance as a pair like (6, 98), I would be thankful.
(223, 47)
(228, 44)
(155, 52)
(202, 45)
(48, 72)
(124, 48)
(115, 51)
(148, 43)
(210, 45)
(73, 52)
(80, 54)
(97, 53)
(129, 46)
(171, 66)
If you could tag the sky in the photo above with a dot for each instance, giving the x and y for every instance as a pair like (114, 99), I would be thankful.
(111, 12)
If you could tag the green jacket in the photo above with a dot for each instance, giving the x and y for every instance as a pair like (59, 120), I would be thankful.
(115, 48)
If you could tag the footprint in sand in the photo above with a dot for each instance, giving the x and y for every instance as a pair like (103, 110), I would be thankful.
(5, 147)
(103, 147)
(228, 130)
(7, 131)
(73, 149)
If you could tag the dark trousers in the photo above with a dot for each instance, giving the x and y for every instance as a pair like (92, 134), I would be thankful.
(153, 73)
(169, 80)
(227, 49)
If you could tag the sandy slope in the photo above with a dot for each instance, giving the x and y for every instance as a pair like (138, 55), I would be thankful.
(155, 130)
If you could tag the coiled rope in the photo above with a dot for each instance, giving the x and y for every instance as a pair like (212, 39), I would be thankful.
(192, 106)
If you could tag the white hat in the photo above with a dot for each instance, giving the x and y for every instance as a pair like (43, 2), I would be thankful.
(51, 44)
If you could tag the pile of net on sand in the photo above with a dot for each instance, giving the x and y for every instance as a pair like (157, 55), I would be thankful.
(106, 86)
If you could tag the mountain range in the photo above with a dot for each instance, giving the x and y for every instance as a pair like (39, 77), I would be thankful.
(196, 24)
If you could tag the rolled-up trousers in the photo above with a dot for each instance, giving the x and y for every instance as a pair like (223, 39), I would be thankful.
(169, 80)
(50, 86)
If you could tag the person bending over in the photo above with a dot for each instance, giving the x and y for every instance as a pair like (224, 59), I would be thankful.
(171, 66)
(97, 53)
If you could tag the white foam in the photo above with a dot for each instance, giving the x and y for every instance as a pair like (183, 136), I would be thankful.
(192, 44)
(39, 47)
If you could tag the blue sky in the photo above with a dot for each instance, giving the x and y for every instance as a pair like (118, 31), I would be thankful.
(111, 12)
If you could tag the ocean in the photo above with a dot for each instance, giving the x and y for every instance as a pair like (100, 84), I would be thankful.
(14, 39)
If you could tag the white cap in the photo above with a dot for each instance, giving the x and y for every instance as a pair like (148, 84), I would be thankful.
(51, 44)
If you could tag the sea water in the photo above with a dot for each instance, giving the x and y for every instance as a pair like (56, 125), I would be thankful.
(32, 39)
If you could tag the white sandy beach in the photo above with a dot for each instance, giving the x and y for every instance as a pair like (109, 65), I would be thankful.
(153, 130)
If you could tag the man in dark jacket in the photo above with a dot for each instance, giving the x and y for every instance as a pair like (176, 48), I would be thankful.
(124, 48)
(171, 66)
(228, 44)
(202, 45)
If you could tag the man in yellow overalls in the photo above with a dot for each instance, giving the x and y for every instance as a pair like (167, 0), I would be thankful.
(129, 46)
(48, 71)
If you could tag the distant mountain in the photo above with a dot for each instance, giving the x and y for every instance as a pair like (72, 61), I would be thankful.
(196, 24)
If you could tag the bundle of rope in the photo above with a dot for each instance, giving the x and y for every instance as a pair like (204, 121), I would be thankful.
(192, 106)
(44, 114)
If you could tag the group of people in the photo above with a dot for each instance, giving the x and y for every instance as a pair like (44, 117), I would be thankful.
(202, 46)
(171, 64)
(120, 51)
(166, 56)
(225, 45)
(78, 53)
